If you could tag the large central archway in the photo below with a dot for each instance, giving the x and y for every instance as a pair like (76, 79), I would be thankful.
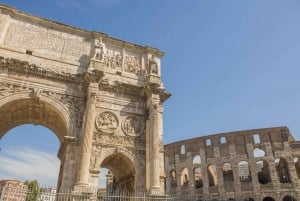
(22, 109)
(32, 111)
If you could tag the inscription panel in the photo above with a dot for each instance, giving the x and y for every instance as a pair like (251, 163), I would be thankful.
(37, 38)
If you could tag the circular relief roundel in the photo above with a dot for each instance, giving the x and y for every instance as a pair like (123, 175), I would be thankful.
(132, 126)
(107, 122)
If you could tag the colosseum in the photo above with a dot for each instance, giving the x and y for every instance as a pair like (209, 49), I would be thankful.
(259, 164)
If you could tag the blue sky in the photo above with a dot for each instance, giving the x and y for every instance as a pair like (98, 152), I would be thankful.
(230, 65)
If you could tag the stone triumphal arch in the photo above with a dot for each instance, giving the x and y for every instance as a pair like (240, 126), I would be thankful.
(100, 95)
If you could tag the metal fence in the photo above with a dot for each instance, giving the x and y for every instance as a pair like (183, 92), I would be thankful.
(10, 193)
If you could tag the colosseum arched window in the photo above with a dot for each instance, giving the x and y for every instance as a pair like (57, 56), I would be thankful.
(197, 160)
(282, 170)
(173, 179)
(297, 166)
(268, 199)
(263, 172)
(256, 139)
(249, 199)
(212, 175)
(244, 172)
(257, 152)
(208, 142)
(227, 173)
(289, 198)
(182, 149)
(223, 140)
(184, 176)
(198, 178)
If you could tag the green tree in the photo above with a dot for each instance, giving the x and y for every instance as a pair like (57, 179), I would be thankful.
(33, 190)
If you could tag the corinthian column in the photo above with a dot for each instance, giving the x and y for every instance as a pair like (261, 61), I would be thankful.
(86, 140)
(154, 137)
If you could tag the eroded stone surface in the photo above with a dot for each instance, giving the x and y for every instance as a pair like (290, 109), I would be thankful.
(255, 164)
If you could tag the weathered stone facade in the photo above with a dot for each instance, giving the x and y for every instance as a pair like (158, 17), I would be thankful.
(100, 95)
(259, 164)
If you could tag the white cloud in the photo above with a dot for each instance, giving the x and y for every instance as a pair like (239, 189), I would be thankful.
(24, 163)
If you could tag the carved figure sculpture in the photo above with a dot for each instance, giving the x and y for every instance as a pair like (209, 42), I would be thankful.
(153, 67)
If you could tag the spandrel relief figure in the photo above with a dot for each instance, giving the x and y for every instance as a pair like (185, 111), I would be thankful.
(96, 151)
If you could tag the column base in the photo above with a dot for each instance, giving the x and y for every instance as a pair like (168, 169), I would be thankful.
(155, 190)
(84, 193)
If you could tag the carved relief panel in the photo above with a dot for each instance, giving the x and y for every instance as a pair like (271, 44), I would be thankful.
(133, 126)
(107, 122)
(132, 63)
(113, 129)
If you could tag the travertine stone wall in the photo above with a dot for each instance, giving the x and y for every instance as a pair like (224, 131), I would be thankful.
(196, 166)
(100, 95)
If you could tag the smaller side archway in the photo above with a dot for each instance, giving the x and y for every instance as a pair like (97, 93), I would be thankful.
(122, 173)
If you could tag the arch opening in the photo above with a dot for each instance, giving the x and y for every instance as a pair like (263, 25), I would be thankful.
(263, 172)
(32, 111)
(268, 199)
(289, 198)
(282, 170)
(244, 171)
(227, 173)
(198, 177)
(173, 178)
(28, 153)
(121, 174)
(184, 176)
(212, 175)
(297, 166)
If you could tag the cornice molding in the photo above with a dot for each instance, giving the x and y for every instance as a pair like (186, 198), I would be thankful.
(18, 66)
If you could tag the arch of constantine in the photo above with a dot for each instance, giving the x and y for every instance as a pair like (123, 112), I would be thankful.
(102, 97)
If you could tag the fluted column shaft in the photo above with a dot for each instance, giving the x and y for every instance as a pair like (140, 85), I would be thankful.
(86, 141)
(155, 132)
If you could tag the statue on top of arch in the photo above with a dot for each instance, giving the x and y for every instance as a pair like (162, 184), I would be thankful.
(100, 48)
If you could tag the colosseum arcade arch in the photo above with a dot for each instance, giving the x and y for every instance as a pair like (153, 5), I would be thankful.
(92, 90)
